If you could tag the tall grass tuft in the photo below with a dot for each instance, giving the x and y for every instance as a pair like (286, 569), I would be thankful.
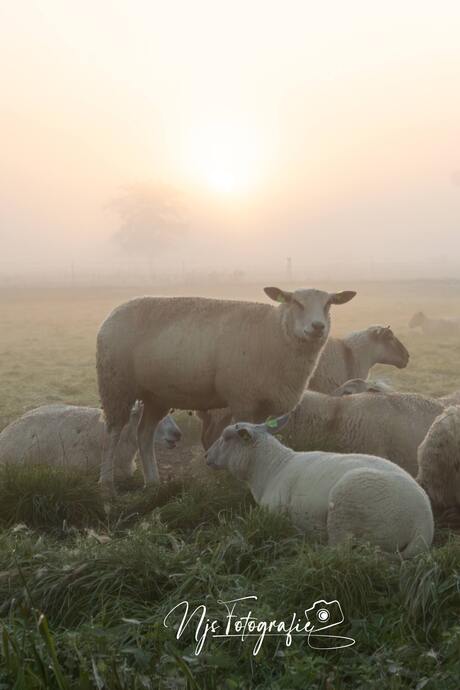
(48, 498)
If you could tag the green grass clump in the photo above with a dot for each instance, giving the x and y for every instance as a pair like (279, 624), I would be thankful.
(51, 498)
(85, 608)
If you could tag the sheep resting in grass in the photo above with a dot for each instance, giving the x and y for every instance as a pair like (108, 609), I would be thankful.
(435, 327)
(354, 356)
(200, 354)
(68, 435)
(439, 461)
(329, 495)
(354, 386)
(360, 386)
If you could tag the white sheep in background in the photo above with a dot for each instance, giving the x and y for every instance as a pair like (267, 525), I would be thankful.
(67, 435)
(435, 327)
(354, 356)
(200, 354)
(439, 461)
(355, 386)
(329, 495)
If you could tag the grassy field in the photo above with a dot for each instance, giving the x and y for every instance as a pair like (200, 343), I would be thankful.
(85, 585)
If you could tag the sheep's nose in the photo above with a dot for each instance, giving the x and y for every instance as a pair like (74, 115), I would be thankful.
(318, 327)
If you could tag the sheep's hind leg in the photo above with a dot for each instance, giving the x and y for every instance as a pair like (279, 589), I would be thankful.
(151, 416)
(362, 506)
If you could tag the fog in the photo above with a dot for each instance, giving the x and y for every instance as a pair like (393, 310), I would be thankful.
(200, 138)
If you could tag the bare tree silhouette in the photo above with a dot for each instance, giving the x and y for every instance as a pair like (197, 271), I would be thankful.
(151, 217)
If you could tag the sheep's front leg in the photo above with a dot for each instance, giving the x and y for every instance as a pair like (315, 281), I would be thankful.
(151, 416)
(107, 465)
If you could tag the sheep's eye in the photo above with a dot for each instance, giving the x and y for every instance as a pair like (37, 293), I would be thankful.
(298, 304)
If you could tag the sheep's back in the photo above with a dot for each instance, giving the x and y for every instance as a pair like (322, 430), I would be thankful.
(54, 434)
(305, 482)
(174, 346)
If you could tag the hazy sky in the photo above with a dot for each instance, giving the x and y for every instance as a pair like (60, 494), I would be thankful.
(329, 132)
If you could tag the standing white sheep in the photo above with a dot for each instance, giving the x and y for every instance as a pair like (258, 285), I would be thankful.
(354, 356)
(196, 353)
(329, 495)
(435, 327)
(68, 435)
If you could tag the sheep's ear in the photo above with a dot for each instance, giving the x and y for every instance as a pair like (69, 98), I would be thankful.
(244, 434)
(274, 424)
(278, 295)
(377, 333)
(342, 297)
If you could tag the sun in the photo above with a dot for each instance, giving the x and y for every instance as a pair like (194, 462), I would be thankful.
(223, 180)
(223, 157)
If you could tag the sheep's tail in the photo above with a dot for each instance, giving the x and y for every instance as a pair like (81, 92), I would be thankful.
(115, 383)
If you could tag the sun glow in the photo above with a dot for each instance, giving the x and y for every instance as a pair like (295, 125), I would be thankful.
(225, 158)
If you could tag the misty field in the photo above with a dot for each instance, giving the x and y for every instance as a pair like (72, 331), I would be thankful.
(85, 585)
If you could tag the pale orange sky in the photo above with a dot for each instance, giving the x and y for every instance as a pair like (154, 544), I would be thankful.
(328, 132)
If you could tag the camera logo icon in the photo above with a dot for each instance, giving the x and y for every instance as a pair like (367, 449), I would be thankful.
(324, 614)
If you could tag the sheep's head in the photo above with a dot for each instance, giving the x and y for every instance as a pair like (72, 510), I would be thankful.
(305, 313)
(417, 319)
(388, 349)
(168, 433)
(236, 448)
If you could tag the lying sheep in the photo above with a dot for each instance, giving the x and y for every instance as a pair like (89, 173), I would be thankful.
(196, 353)
(435, 327)
(69, 435)
(329, 495)
(390, 426)
(355, 386)
(439, 461)
(353, 357)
